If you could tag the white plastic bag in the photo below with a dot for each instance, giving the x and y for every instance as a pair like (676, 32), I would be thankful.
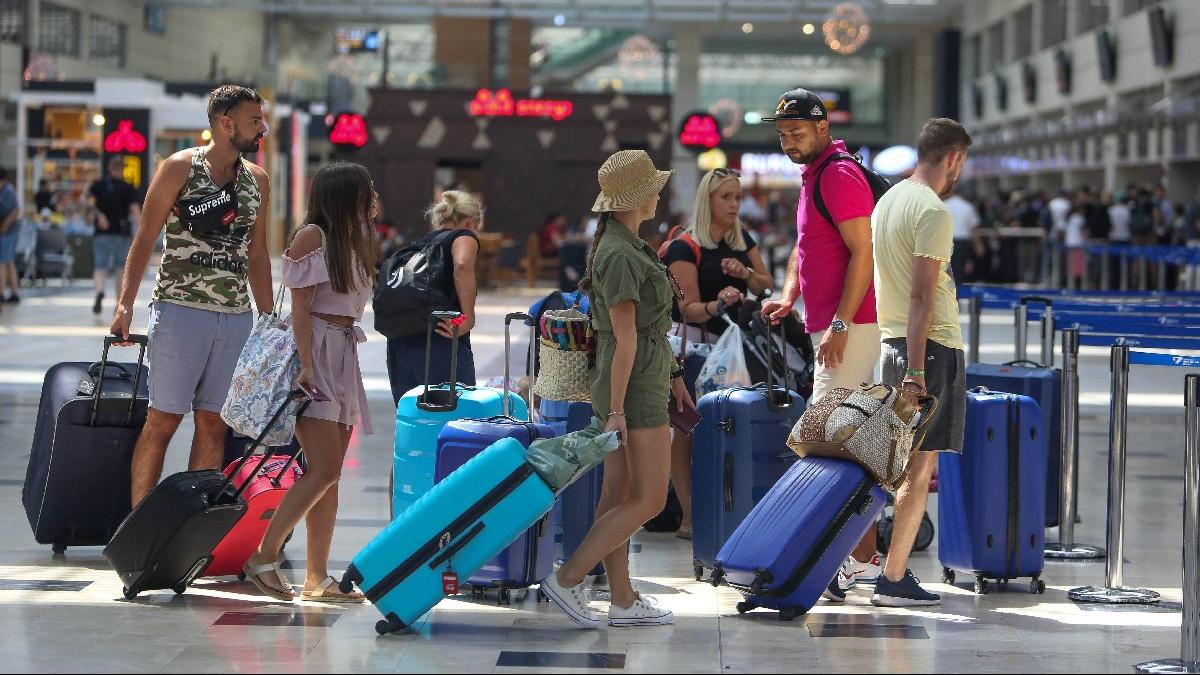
(725, 366)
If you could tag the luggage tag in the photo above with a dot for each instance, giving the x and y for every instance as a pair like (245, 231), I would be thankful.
(449, 581)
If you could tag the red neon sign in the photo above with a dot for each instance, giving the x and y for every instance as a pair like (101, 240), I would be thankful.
(349, 129)
(125, 139)
(502, 104)
(700, 131)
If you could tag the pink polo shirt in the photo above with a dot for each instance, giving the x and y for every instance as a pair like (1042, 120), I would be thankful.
(822, 255)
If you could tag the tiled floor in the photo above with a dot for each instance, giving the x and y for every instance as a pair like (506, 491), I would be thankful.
(66, 614)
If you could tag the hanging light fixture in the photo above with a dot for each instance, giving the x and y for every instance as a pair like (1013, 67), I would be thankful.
(846, 28)
(638, 56)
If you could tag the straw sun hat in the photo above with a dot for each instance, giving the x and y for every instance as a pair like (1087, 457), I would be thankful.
(627, 180)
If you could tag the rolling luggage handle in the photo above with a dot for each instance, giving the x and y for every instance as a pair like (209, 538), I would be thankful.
(521, 316)
(1022, 329)
(773, 396)
(424, 401)
(109, 340)
(294, 395)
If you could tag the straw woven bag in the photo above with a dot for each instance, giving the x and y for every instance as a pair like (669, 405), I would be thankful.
(874, 425)
(563, 354)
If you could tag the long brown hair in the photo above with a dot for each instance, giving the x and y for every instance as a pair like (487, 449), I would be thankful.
(340, 204)
(585, 284)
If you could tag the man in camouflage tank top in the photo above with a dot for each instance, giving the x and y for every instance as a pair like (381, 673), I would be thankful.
(213, 206)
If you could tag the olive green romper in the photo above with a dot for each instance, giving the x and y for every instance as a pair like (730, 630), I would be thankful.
(626, 268)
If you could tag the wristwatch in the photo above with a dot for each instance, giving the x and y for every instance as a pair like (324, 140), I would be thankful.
(839, 326)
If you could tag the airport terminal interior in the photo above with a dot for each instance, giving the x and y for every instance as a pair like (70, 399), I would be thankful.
(1053, 147)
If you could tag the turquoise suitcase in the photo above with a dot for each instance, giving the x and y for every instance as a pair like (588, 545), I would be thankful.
(449, 534)
(422, 414)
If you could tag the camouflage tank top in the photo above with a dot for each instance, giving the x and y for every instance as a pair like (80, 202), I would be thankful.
(206, 249)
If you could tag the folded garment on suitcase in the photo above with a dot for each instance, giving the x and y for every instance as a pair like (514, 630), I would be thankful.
(76, 490)
(790, 546)
(449, 533)
(168, 540)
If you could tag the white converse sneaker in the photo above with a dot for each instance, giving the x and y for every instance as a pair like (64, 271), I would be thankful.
(573, 601)
(643, 612)
(866, 572)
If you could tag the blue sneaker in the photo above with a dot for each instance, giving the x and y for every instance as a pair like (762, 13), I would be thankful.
(833, 592)
(904, 593)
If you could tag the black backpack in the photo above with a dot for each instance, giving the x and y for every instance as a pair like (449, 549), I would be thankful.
(413, 283)
(879, 184)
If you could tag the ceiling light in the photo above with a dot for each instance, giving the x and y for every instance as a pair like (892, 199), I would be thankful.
(809, 29)
(206, 135)
(747, 28)
(98, 119)
(560, 20)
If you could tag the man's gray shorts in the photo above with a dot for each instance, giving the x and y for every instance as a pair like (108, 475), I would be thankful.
(192, 356)
(945, 378)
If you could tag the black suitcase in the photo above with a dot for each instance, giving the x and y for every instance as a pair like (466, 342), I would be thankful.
(76, 490)
(167, 541)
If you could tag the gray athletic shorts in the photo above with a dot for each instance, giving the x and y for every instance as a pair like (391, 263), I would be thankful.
(192, 356)
(945, 378)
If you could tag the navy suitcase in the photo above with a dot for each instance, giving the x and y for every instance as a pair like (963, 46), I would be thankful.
(739, 452)
(76, 490)
(1043, 385)
(790, 546)
(577, 504)
(991, 507)
(531, 557)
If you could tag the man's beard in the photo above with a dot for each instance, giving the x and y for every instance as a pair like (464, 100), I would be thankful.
(246, 144)
(805, 158)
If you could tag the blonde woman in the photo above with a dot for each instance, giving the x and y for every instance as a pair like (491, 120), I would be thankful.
(456, 218)
(716, 259)
(633, 376)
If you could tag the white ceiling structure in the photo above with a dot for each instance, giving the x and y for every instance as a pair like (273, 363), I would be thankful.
(617, 13)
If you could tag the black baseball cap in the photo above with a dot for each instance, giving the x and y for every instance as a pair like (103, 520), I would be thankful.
(799, 104)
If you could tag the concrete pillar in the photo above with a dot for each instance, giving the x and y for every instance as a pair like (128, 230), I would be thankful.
(685, 99)
(1111, 174)
(462, 47)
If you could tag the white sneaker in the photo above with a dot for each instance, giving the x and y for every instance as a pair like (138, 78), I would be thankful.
(643, 612)
(573, 601)
(867, 572)
(842, 582)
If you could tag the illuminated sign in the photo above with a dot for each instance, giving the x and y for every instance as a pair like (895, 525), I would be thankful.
(700, 131)
(349, 130)
(501, 104)
(356, 40)
(125, 139)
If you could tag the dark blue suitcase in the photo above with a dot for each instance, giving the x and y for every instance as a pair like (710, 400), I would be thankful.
(991, 507)
(1043, 385)
(530, 558)
(739, 452)
(577, 504)
(790, 546)
(76, 490)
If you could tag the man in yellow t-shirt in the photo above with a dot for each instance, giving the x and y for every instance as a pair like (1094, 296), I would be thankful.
(913, 237)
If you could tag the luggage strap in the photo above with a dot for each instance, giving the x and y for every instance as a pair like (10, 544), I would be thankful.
(460, 525)
(858, 503)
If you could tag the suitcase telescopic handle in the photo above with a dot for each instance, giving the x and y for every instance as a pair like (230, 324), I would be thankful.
(434, 319)
(518, 316)
(773, 403)
(294, 395)
(142, 342)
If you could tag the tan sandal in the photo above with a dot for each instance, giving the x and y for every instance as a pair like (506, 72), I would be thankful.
(254, 574)
(328, 591)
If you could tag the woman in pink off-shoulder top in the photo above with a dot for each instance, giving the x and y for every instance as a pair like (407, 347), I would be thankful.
(330, 268)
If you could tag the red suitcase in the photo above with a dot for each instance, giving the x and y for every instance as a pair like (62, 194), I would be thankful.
(262, 496)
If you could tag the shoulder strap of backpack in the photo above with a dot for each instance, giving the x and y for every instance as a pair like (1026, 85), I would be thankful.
(818, 200)
(677, 234)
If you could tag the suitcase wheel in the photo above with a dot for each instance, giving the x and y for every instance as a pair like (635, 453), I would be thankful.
(542, 597)
(699, 570)
(504, 597)
(981, 586)
(391, 624)
(59, 549)
(383, 627)
(241, 576)
(179, 589)
(746, 606)
(790, 613)
(947, 576)
(351, 577)
(128, 593)
(1037, 586)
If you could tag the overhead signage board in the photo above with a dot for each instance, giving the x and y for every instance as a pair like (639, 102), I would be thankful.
(699, 131)
(501, 103)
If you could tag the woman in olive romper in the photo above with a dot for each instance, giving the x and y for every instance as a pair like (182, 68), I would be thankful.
(633, 377)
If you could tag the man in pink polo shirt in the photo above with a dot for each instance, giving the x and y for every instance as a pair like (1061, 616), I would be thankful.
(832, 269)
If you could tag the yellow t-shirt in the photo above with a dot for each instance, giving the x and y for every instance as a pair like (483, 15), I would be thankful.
(909, 221)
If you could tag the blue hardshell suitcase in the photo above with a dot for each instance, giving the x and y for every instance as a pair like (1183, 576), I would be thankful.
(577, 504)
(739, 452)
(451, 532)
(422, 413)
(531, 557)
(790, 546)
(1043, 385)
(991, 507)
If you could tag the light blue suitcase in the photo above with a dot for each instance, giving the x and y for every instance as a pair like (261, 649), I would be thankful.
(422, 413)
(449, 533)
